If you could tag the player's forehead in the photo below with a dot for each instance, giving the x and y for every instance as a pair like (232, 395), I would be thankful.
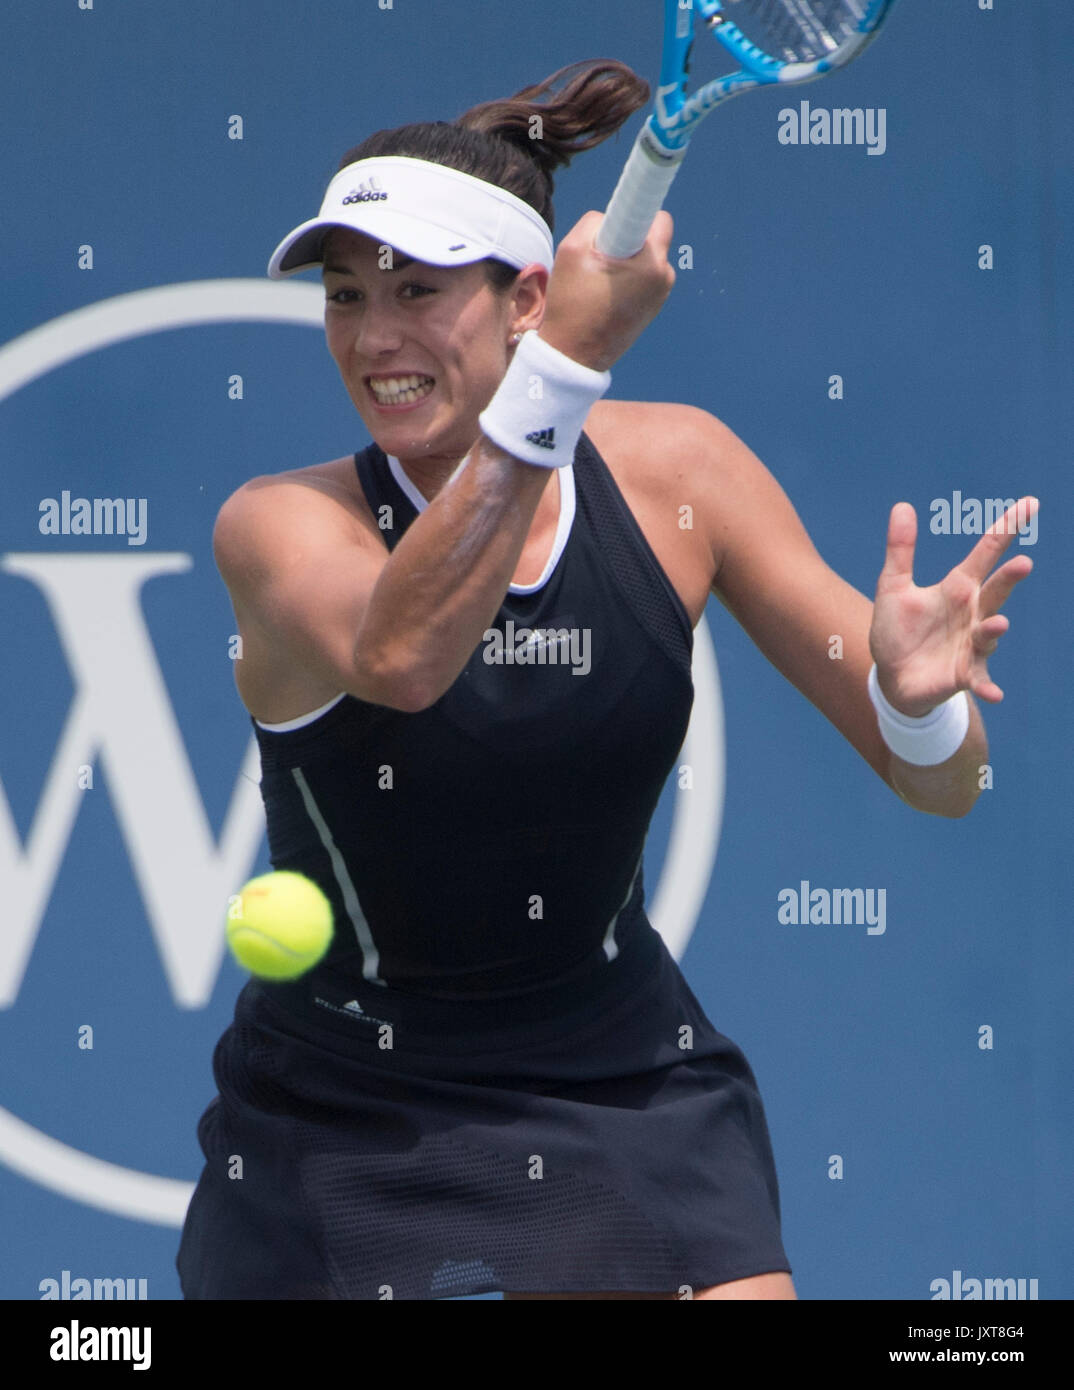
(346, 251)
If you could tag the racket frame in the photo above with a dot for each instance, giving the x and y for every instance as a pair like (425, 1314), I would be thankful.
(662, 141)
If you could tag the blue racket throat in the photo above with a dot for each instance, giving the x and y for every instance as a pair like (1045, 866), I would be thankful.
(775, 42)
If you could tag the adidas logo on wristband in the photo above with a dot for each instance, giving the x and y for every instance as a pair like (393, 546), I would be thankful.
(570, 389)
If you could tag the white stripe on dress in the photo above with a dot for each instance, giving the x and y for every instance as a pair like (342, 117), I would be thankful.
(370, 954)
(611, 946)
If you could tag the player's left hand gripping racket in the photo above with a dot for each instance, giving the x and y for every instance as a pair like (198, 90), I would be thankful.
(775, 41)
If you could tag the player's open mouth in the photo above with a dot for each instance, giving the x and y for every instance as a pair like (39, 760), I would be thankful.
(400, 390)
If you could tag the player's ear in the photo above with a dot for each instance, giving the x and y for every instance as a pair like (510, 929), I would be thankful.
(528, 294)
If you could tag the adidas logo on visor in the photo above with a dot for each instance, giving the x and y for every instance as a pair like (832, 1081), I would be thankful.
(366, 192)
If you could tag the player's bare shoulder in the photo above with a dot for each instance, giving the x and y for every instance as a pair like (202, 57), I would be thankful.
(663, 441)
(667, 461)
(676, 466)
(272, 515)
(299, 553)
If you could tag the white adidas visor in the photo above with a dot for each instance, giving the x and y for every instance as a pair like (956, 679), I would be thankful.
(424, 210)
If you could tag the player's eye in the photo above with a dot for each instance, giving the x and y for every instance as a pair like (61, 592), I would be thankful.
(341, 296)
(419, 290)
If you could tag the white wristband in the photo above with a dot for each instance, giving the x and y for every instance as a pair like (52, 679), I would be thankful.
(932, 738)
(539, 410)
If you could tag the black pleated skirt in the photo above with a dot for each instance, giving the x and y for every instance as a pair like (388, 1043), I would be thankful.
(594, 1135)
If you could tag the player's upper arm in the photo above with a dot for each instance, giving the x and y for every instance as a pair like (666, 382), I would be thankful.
(300, 566)
(810, 623)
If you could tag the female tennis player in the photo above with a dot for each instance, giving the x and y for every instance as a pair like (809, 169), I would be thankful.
(467, 662)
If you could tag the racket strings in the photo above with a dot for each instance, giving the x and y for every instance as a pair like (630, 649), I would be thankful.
(796, 31)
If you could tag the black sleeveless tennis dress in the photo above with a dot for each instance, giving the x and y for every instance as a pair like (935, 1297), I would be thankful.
(498, 1078)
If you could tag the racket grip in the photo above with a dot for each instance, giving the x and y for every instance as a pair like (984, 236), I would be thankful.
(639, 195)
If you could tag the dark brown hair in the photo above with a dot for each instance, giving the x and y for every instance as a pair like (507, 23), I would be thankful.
(501, 142)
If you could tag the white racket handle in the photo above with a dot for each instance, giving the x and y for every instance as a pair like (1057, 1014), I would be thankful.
(639, 195)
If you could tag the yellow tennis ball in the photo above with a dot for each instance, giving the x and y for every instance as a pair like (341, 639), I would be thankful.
(279, 925)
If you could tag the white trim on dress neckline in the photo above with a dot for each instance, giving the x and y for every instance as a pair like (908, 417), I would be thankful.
(567, 503)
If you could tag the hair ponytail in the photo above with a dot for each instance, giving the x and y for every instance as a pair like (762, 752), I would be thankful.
(518, 142)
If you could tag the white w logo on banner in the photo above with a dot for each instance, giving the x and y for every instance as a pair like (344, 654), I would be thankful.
(122, 716)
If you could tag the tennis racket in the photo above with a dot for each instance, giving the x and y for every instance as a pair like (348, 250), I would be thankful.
(775, 41)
